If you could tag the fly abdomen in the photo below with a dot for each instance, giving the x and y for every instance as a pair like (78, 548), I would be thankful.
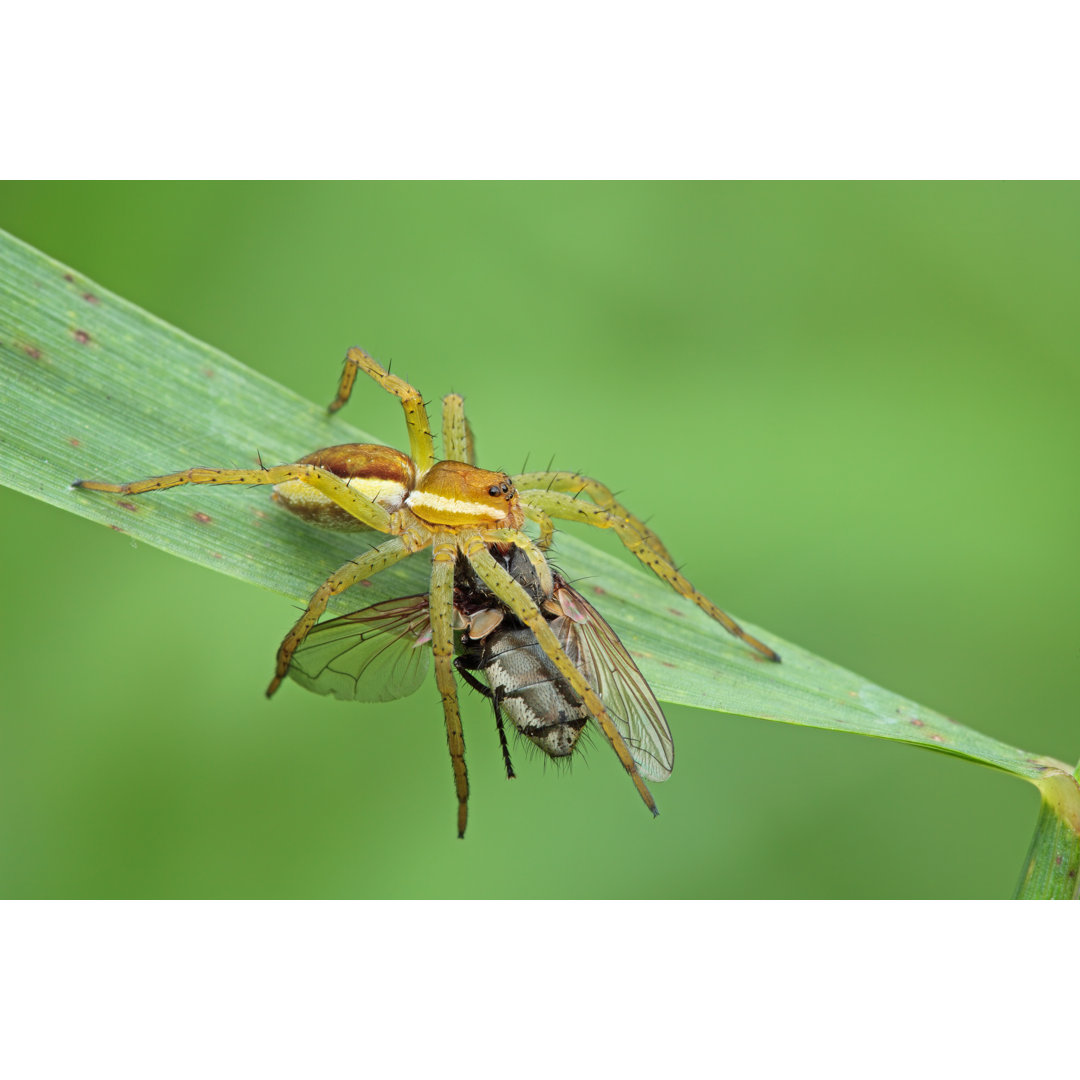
(529, 689)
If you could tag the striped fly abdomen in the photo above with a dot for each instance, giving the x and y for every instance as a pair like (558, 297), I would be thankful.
(527, 687)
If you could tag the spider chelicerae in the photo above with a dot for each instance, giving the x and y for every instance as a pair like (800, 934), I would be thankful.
(456, 509)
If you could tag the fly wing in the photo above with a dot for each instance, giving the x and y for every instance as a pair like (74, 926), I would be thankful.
(602, 658)
(376, 654)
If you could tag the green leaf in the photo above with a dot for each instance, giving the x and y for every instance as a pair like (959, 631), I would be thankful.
(96, 388)
(1053, 865)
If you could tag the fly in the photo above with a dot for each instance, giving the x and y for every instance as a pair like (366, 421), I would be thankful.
(378, 654)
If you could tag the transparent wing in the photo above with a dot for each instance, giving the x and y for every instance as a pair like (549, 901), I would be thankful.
(602, 658)
(376, 654)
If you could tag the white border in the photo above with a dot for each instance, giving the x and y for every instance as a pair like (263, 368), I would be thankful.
(531, 989)
(583, 90)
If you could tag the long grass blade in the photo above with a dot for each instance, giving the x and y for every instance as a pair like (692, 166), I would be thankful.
(94, 387)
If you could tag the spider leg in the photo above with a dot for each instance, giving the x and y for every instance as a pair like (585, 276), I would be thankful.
(547, 530)
(353, 572)
(564, 506)
(441, 610)
(456, 431)
(533, 551)
(576, 484)
(518, 601)
(495, 697)
(422, 448)
(361, 508)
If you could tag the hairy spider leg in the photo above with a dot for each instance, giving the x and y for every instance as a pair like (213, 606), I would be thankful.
(333, 487)
(441, 611)
(456, 431)
(547, 530)
(503, 585)
(352, 573)
(564, 506)
(421, 445)
(576, 484)
(533, 552)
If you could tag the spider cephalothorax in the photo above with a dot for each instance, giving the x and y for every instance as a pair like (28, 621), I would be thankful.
(458, 510)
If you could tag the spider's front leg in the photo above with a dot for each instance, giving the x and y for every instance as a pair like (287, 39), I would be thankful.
(534, 553)
(503, 585)
(441, 611)
(547, 530)
(629, 531)
(575, 484)
(421, 444)
(353, 572)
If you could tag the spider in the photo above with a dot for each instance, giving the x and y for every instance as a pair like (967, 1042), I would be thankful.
(453, 507)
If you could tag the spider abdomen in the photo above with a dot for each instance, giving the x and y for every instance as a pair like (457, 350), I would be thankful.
(380, 473)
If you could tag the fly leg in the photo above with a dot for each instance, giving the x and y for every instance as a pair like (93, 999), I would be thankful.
(495, 697)
(496, 700)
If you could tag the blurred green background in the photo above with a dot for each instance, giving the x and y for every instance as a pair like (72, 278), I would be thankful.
(850, 410)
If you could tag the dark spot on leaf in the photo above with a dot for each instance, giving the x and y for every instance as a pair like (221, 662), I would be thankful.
(128, 506)
(917, 722)
(938, 738)
(116, 528)
(204, 518)
(1057, 861)
(599, 592)
(365, 584)
(668, 663)
(74, 442)
(32, 351)
(209, 372)
(90, 298)
(674, 612)
(82, 337)
(217, 555)
(68, 277)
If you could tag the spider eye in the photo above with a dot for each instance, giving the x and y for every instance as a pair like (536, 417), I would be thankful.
(504, 489)
(493, 490)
